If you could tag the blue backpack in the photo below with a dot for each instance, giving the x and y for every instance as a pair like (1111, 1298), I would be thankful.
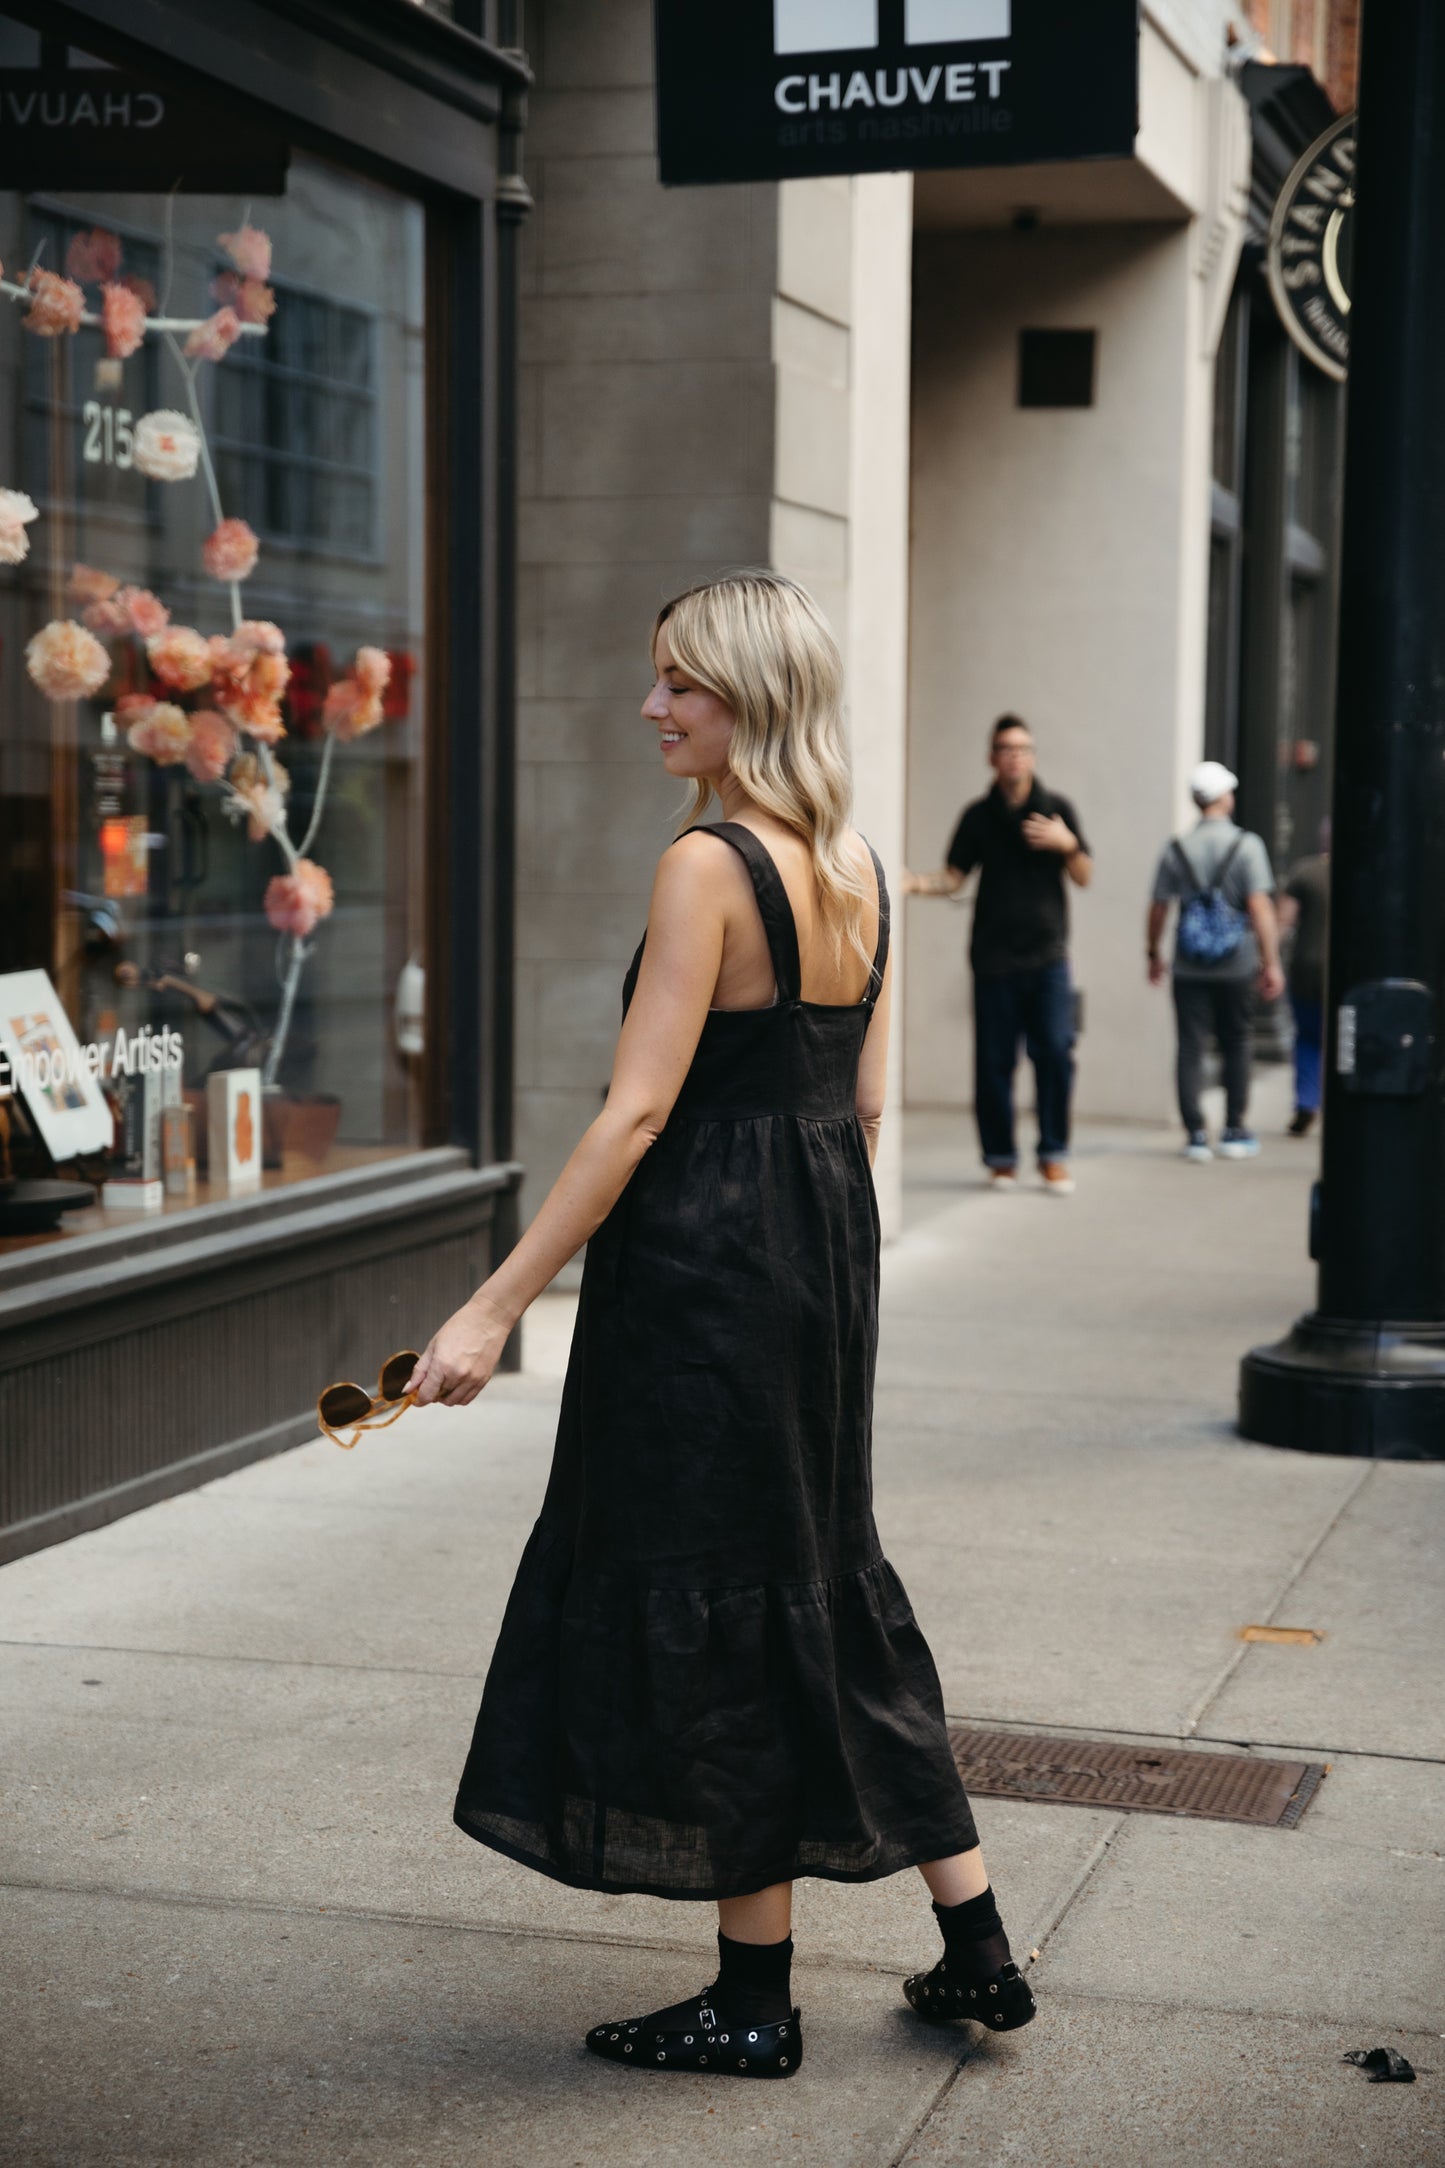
(1210, 929)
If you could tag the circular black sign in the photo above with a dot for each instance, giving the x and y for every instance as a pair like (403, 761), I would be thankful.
(1309, 253)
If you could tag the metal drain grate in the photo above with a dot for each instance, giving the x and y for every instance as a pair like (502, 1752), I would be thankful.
(1146, 1779)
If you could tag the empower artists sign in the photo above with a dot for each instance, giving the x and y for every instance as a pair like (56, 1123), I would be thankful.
(753, 90)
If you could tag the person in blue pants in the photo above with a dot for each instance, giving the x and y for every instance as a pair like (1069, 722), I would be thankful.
(1027, 844)
(1305, 908)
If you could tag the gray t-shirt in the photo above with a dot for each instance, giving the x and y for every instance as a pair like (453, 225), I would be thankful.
(1206, 847)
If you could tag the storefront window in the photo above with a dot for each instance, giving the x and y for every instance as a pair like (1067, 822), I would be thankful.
(212, 575)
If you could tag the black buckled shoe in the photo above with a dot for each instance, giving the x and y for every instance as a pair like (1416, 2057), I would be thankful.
(746, 2051)
(1002, 2003)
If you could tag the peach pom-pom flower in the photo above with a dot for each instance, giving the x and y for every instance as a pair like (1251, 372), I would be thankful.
(265, 805)
(249, 250)
(180, 658)
(213, 340)
(296, 901)
(251, 673)
(212, 747)
(349, 712)
(230, 551)
(88, 585)
(109, 616)
(16, 513)
(123, 320)
(353, 704)
(56, 306)
(372, 669)
(66, 661)
(148, 615)
(164, 732)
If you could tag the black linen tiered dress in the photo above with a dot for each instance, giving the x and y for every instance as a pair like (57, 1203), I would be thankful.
(708, 1678)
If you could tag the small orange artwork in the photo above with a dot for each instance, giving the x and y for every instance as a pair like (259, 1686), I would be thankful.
(245, 1133)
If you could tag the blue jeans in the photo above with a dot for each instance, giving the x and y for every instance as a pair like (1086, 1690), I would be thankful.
(1035, 1008)
(1309, 1031)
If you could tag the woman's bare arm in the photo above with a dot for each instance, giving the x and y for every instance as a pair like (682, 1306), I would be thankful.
(873, 1065)
(685, 926)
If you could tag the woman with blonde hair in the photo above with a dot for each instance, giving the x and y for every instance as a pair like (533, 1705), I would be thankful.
(708, 1681)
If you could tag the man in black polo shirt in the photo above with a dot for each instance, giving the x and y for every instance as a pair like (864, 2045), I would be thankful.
(1026, 841)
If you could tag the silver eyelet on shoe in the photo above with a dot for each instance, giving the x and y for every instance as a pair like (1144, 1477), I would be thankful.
(782, 2062)
(752, 2036)
(724, 2038)
(993, 1990)
(782, 2032)
(702, 2061)
(742, 2062)
(687, 2040)
(627, 2047)
(660, 2056)
(612, 2036)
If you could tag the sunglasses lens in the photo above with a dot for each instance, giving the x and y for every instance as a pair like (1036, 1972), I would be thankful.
(345, 1404)
(398, 1369)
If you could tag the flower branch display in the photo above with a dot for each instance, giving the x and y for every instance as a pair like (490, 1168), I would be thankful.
(217, 705)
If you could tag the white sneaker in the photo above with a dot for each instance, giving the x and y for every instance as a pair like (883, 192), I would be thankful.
(1196, 1147)
(1056, 1178)
(1002, 1178)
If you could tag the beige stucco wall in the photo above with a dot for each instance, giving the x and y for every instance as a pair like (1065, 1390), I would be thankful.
(691, 364)
(1055, 573)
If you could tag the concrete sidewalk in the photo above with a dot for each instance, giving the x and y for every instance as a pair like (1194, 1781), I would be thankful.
(239, 1926)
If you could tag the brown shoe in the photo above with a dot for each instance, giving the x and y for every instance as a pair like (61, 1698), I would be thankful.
(1056, 1178)
(1002, 1178)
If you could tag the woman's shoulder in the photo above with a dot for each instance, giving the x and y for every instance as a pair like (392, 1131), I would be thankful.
(700, 862)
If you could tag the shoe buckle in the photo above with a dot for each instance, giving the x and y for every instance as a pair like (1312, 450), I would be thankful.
(705, 2012)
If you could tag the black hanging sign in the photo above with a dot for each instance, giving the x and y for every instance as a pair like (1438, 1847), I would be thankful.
(104, 128)
(755, 90)
(1309, 257)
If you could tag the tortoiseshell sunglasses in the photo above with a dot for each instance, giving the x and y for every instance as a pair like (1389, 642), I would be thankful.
(349, 1407)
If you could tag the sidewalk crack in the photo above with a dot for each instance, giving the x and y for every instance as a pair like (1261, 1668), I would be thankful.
(1211, 1694)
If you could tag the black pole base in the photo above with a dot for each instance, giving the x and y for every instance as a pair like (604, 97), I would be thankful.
(1334, 1385)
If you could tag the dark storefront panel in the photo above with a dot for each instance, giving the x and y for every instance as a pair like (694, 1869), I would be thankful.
(260, 831)
(1274, 539)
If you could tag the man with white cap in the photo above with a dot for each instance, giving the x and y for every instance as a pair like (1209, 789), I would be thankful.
(1226, 944)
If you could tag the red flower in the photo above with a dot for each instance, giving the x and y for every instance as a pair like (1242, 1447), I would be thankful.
(93, 257)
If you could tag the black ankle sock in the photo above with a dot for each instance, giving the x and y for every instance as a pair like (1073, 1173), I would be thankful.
(974, 1942)
(754, 1981)
(752, 1988)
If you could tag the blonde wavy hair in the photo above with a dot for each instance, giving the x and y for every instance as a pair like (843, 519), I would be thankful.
(761, 644)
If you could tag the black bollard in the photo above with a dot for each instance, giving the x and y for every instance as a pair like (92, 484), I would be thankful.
(1364, 1372)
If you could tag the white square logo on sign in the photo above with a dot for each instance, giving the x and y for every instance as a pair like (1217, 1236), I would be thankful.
(824, 26)
(956, 22)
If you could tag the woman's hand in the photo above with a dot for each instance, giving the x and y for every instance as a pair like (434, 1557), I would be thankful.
(459, 1360)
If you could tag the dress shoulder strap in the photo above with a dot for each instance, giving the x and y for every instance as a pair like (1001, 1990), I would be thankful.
(773, 906)
(880, 954)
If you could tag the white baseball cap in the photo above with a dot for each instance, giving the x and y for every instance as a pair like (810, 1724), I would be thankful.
(1211, 780)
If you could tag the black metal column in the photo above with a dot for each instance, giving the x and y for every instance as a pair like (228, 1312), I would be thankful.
(1364, 1372)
